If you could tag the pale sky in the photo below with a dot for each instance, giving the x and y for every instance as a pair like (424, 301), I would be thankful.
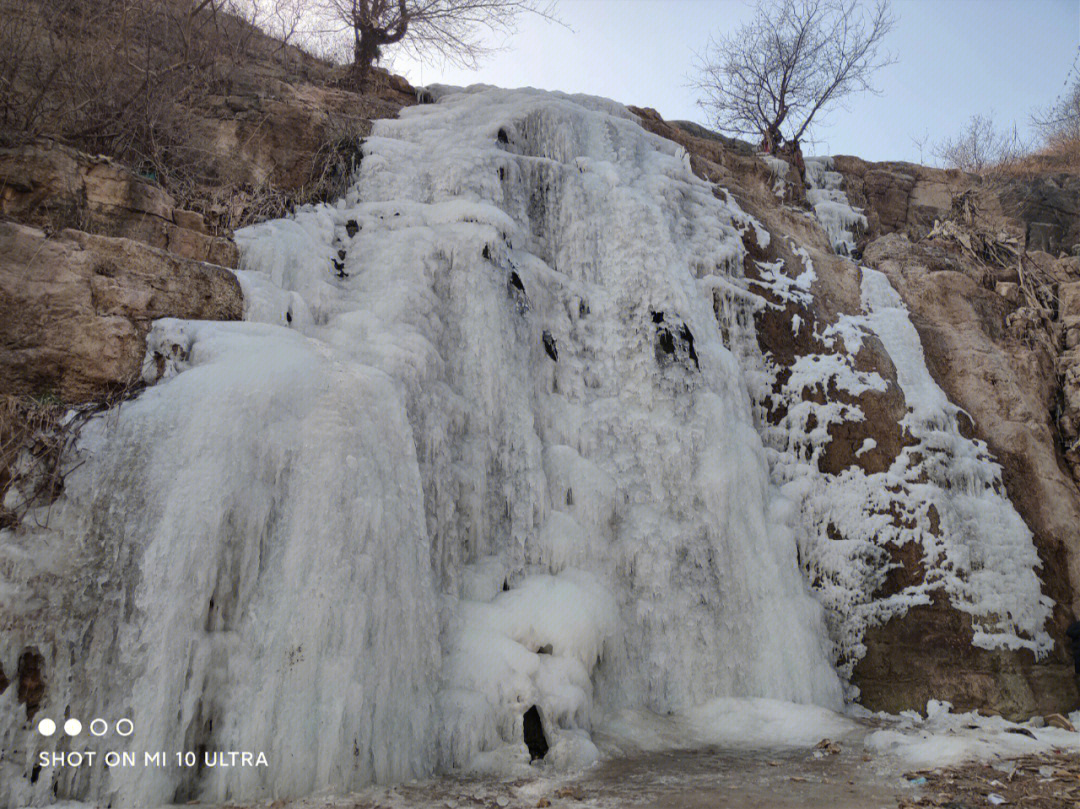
(956, 58)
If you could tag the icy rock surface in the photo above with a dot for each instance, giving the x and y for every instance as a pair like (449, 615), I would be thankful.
(943, 493)
(824, 190)
(480, 446)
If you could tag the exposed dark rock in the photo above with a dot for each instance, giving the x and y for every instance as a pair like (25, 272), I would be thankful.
(352, 228)
(1072, 633)
(30, 677)
(674, 341)
(550, 347)
(516, 290)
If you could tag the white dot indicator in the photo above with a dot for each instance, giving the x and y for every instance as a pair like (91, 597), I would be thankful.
(46, 727)
(99, 727)
(73, 727)
(125, 727)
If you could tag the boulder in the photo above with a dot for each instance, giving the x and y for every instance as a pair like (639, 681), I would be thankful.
(76, 308)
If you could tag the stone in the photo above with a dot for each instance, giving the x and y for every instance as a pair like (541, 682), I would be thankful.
(889, 193)
(76, 308)
(1009, 290)
(1042, 236)
(400, 84)
(1056, 720)
(1069, 300)
(190, 220)
(30, 677)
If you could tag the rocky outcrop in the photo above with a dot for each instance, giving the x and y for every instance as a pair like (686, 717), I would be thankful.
(76, 308)
(1049, 207)
(56, 187)
(1043, 211)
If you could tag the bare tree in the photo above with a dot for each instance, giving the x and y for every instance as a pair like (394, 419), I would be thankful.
(981, 146)
(794, 59)
(451, 29)
(1060, 123)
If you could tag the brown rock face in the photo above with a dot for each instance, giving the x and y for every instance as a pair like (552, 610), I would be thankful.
(31, 681)
(928, 653)
(76, 308)
(54, 186)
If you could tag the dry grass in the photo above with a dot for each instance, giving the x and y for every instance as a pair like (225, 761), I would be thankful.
(1061, 156)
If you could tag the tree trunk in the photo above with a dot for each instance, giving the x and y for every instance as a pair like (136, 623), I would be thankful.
(365, 54)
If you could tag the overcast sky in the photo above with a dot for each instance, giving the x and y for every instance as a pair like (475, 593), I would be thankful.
(956, 58)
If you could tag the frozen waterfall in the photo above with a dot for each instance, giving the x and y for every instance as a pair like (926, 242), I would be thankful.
(478, 447)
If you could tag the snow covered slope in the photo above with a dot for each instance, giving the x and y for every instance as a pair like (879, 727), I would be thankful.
(480, 446)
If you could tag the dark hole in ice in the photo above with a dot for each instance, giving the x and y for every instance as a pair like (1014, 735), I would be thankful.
(544, 650)
(503, 138)
(487, 252)
(352, 228)
(515, 281)
(569, 497)
(288, 317)
(506, 585)
(535, 739)
(657, 317)
(35, 773)
(341, 254)
(502, 173)
(583, 308)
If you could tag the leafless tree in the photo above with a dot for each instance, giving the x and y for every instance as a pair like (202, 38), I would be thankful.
(1060, 123)
(981, 146)
(794, 59)
(450, 29)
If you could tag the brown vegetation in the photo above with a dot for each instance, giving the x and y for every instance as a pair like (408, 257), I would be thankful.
(191, 95)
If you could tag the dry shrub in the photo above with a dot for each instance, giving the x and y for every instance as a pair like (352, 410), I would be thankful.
(120, 77)
(33, 435)
(37, 434)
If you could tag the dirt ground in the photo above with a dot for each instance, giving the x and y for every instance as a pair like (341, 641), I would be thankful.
(1039, 782)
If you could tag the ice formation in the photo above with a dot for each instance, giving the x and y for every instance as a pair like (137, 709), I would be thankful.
(488, 440)
(824, 191)
(479, 446)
